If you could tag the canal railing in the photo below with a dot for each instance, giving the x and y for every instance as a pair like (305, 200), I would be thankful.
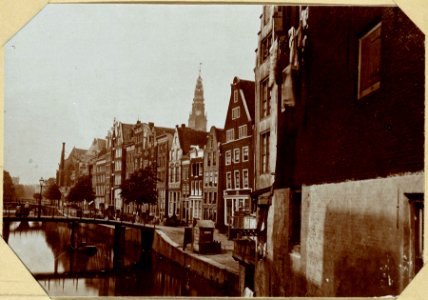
(146, 230)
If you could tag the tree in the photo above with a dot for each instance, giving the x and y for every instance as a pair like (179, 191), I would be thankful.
(140, 187)
(52, 191)
(8, 187)
(82, 190)
(19, 191)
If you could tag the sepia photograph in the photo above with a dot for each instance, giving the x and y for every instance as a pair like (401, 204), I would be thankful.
(240, 150)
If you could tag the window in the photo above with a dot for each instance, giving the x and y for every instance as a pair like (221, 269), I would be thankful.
(215, 178)
(214, 158)
(236, 113)
(245, 179)
(228, 159)
(236, 155)
(264, 98)
(265, 46)
(177, 174)
(242, 131)
(228, 180)
(265, 137)
(235, 96)
(206, 178)
(230, 135)
(369, 62)
(237, 179)
(245, 153)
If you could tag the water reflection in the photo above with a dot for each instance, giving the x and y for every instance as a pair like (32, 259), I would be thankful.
(62, 270)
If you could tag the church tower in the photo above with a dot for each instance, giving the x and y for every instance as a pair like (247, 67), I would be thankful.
(197, 118)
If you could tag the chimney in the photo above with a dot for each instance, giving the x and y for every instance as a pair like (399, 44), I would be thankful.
(183, 125)
(61, 167)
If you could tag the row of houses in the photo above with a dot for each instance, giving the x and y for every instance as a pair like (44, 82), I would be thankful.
(202, 174)
(323, 154)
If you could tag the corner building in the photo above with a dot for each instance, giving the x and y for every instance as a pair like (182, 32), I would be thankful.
(340, 212)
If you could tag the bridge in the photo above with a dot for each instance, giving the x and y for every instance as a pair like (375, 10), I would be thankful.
(70, 219)
(146, 230)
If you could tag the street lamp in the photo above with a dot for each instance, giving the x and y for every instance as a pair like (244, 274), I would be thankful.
(41, 180)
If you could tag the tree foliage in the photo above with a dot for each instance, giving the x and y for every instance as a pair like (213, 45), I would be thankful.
(140, 187)
(52, 191)
(8, 187)
(82, 190)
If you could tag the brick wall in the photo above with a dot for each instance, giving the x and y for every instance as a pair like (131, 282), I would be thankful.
(338, 136)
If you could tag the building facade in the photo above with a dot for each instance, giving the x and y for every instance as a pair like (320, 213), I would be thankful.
(237, 151)
(183, 140)
(341, 208)
(121, 136)
(213, 195)
(196, 178)
(163, 147)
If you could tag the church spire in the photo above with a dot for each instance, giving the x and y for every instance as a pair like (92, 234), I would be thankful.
(197, 118)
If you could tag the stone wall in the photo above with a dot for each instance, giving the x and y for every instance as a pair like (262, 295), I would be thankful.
(355, 236)
(200, 265)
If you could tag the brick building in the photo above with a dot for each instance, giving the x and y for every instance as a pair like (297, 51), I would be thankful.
(341, 209)
(163, 146)
(121, 137)
(212, 205)
(179, 166)
(237, 151)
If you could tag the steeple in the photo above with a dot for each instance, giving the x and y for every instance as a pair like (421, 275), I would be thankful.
(197, 118)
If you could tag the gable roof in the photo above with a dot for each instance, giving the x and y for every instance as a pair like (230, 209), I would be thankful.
(163, 130)
(127, 132)
(247, 95)
(189, 137)
(248, 90)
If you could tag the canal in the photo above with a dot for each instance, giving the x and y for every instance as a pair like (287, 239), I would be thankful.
(89, 269)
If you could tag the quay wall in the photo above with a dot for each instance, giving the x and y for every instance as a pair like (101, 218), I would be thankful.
(200, 265)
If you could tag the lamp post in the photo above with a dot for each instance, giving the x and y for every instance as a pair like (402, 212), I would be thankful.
(41, 180)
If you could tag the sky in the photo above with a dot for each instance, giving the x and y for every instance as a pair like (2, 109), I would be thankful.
(74, 68)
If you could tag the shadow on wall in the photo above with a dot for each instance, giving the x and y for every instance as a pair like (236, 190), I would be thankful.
(362, 256)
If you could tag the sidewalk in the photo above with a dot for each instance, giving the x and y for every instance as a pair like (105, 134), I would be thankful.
(176, 234)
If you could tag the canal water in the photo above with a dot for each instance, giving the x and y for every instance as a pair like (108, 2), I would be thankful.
(90, 270)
